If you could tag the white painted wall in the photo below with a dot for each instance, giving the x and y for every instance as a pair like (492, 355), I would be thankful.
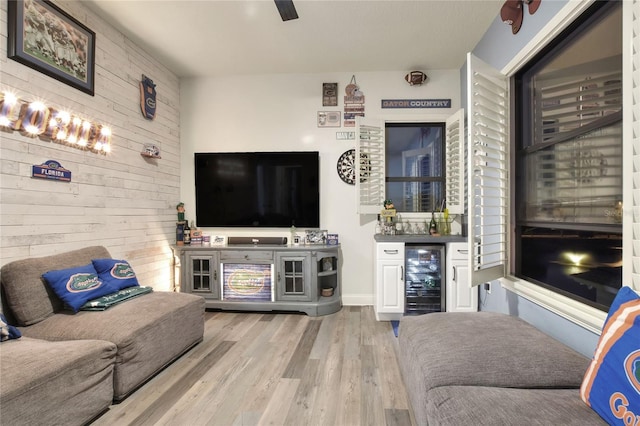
(278, 113)
(122, 200)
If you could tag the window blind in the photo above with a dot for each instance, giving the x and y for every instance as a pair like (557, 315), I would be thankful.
(370, 166)
(454, 158)
(488, 142)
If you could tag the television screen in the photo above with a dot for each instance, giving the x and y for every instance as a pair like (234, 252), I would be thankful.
(257, 189)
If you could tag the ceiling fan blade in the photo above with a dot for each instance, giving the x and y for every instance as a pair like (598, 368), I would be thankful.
(287, 9)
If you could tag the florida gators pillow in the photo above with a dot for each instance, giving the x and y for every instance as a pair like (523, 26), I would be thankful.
(117, 273)
(611, 385)
(75, 286)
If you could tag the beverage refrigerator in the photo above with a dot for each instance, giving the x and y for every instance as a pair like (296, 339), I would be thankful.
(424, 279)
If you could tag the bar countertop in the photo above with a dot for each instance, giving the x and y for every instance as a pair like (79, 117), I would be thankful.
(419, 239)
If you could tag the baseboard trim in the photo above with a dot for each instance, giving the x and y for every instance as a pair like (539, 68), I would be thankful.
(357, 300)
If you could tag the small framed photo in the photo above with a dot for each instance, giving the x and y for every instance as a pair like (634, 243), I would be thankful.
(315, 236)
(329, 94)
(218, 240)
(70, 59)
(329, 118)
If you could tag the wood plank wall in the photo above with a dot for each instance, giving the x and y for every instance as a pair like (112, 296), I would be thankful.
(120, 200)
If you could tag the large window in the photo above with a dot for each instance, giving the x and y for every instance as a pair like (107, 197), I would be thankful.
(414, 159)
(568, 161)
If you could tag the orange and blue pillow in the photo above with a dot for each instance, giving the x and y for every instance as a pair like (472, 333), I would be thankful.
(611, 385)
(75, 286)
(117, 273)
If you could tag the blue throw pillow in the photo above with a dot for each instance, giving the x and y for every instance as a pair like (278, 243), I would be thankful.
(117, 273)
(75, 286)
(8, 331)
(611, 385)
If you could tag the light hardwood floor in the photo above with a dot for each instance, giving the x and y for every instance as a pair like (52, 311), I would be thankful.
(277, 369)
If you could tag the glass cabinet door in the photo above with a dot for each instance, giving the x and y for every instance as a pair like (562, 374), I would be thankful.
(203, 275)
(294, 282)
(293, 277)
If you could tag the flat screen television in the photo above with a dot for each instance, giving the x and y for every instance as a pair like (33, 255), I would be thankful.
(257, 189)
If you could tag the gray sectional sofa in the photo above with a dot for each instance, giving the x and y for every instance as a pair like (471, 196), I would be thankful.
(486, 368)
(68, 367)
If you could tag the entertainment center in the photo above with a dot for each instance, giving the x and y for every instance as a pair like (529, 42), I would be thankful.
(249, 277)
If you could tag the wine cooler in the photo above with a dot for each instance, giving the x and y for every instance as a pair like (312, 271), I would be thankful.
(424, 279)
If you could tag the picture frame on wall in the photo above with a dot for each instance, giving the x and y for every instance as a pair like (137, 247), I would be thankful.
(329, 94)
(47, 39)
(329, 118)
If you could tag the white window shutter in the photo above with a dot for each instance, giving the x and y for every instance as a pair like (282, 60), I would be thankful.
(370, 172)
(455, 160)
(488, 169)
(631, 144)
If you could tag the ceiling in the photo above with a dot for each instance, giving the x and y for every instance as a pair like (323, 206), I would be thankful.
(236, 37)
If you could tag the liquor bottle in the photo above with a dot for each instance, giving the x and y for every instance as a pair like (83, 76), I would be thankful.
(187, 233)
(433, 226)
(179, 233)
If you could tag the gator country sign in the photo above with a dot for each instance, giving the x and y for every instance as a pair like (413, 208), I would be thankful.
(415, 103)
(51, 169)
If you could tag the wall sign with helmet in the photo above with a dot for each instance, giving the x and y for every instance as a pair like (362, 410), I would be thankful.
(353, 103)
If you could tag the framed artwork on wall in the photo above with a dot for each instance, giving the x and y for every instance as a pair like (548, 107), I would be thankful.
(44, 37)
(329, 94)
(329, 118)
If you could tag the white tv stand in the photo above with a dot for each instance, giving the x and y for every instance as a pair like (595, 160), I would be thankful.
(249, 277)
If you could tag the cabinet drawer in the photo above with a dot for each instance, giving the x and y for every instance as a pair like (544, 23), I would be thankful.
(246, 256)
(389, 250)
(458, 251)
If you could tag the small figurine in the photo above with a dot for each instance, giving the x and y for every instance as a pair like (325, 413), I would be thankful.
(388, 213)
(180, 209)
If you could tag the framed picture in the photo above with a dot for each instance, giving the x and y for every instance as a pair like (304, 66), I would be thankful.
(329, 118)
(315, 236)
(47, 39)
(329, 94)
(218, 240)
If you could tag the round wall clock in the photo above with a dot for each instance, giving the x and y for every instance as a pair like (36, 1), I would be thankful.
(347, 167)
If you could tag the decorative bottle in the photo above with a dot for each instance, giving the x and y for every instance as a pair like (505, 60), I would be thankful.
(433, 226)
(293, 235)
(187, 233)
(179, 233)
